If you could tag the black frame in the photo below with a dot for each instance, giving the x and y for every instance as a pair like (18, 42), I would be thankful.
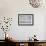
(26, 24)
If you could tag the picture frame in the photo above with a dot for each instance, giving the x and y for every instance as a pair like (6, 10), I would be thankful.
(25, 19)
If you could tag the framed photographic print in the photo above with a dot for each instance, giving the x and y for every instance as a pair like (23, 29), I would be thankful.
(25, 19)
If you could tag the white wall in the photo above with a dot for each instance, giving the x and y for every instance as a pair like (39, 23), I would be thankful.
(11, 8)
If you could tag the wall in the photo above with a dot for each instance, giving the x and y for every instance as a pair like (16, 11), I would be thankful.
(11, 8)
